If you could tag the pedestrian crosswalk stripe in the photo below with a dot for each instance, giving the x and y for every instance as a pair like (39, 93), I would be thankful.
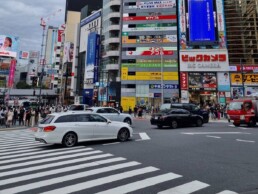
(20, 139)
(76, 176)
(7, 148)
(186, 188)
(41, 154)
(20, 151)
(101, 181)
(16, 137)
(59, 170)
(16, 142)
(57, 164)
(227, 192)
(45, 160)
(54, 152)
(141, 184)
(22, 147)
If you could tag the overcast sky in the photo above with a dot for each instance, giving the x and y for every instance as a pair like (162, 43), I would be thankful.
(22, 18)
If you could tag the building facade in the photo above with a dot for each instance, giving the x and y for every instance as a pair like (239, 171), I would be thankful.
(204, 61)
(110, 92)
(242, 42)
(149, 61)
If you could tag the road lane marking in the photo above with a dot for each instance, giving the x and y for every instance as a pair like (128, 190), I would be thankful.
(99, 181)
(247, 141)
(216, 137)
(59, 170)
(111, 143)
(218, 133)
(78, 187)
(141, 184)
(57, 164)
(39, 161)
(227, 192)
(144, 136)
(186, 188)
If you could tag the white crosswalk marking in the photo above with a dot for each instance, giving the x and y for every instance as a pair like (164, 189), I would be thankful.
(44, 160)
(56, 171)
(101, 181)
(144, 136)
(56, 164)
(141, 184)
(26, 165)
(186, 188)
(67, 151)
(227, 192)
(68, 178)
(38, 152)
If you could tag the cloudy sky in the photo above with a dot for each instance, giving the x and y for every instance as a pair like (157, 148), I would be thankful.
(22, 18)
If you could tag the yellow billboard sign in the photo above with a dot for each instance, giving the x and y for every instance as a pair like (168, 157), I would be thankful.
(127, 102)
(172, 76)
(249, 79)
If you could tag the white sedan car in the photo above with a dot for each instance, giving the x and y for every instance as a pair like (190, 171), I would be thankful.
(69, 128)
(112, 114)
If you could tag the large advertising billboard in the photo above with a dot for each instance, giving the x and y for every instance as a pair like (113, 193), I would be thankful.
(93, 54)
(68, 52)
(202, 81)
(9, 45)
(148, 39)
(201, 23)
(204, 32)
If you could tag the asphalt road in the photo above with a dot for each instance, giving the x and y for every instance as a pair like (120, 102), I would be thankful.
(215, 158)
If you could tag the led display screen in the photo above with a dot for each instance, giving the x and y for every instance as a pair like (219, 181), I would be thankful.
(201, 22)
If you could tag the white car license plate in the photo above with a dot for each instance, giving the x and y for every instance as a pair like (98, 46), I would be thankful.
(156, 118)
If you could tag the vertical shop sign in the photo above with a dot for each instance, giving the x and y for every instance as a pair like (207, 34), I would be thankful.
(184, 80)
(11, 74)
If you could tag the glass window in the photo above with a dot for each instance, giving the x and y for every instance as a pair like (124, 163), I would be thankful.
(111, 110)
(102, 110)
(82, 118)
(97, 118)
(235, 106)
(76, 107)
(66, 119)
(47, 120)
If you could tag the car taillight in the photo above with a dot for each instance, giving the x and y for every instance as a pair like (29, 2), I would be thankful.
(252, 111)
(49, 128)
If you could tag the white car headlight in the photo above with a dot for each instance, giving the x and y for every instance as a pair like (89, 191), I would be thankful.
(242, 117)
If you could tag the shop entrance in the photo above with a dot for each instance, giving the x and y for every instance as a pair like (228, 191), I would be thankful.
(203, 98)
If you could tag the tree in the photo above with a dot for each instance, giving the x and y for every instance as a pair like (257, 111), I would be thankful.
(23, 85)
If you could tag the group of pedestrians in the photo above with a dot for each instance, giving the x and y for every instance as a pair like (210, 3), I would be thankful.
(217, 111)
(18, 116)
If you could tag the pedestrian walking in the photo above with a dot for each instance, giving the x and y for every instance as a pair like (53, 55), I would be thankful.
(130, 110)
(9, 118)
(135, 111)
(32, 117)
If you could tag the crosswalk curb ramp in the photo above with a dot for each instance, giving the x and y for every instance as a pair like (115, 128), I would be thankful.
(32, 167)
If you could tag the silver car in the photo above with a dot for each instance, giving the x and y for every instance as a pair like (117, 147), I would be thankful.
(112, 114)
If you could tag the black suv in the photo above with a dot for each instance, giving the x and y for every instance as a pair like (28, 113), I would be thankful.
(187, 106)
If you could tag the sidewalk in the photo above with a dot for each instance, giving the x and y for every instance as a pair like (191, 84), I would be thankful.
(13, 128)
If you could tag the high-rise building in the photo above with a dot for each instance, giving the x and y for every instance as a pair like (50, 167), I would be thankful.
(149, 68)
(111, 62)
(241, 19)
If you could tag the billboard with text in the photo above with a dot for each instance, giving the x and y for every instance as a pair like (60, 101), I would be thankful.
(9, 45)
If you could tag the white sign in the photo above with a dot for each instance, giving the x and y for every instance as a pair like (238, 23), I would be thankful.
(204, 60)
(184, 96)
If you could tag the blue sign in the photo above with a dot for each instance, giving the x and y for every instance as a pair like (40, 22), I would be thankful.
(90, 18)
(87, 96)
(202, 21)
(93, 55)
(165, 86)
